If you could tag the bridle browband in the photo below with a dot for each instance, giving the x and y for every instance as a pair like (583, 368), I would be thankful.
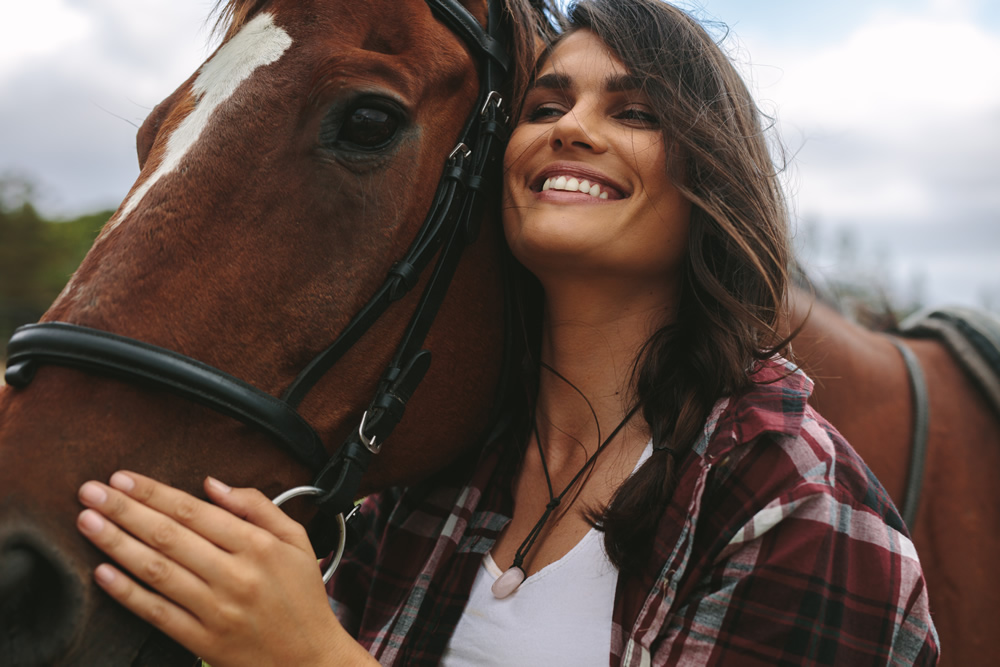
(450, 225)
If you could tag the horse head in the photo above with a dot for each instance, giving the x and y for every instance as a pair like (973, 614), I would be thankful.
(278, 186)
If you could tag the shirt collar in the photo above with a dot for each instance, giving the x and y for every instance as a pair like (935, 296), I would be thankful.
(775, 403)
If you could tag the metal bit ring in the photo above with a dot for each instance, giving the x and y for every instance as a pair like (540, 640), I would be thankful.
(341, 524)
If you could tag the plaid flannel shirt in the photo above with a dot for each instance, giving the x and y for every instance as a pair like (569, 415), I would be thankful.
(779, 547)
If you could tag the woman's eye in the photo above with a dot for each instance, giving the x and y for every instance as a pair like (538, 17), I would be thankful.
(368, 128)
(639, 116)
(543, 113)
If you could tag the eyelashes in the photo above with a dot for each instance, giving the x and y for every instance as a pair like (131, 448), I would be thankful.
(635, 116)
(543, 112)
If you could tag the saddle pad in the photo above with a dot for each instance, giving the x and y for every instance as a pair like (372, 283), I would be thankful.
(973, 337)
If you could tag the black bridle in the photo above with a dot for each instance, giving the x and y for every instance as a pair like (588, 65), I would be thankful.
(451, 224)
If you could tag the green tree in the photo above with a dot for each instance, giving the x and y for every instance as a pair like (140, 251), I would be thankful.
(37, 255)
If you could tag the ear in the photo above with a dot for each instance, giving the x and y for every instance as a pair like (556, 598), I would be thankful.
(150, 128)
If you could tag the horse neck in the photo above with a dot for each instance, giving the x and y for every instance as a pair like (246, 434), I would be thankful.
(861, 384)
(828, 343)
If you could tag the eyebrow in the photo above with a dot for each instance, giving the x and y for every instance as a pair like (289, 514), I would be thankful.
(618, 83)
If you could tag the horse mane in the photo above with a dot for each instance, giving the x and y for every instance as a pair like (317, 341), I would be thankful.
(233, 15)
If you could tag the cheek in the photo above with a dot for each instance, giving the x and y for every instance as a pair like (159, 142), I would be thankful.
(651, 158)
(509, 211)
(515, 177)
(524, 141)
(514, 149)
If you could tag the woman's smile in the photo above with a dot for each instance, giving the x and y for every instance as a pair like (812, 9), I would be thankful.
(569, 178)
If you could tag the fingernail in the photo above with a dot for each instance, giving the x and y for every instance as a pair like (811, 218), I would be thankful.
(105, 574)
(93, 493)
(218, 486)
(122, 482)
(91, 522)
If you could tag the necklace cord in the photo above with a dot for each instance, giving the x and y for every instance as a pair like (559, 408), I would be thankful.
(554, 501)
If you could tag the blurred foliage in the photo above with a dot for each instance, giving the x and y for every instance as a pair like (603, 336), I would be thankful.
(37, 255)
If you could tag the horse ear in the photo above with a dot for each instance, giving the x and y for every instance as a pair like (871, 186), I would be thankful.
(150, 128)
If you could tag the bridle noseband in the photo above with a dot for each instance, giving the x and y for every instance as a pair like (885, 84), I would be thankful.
(451, 224)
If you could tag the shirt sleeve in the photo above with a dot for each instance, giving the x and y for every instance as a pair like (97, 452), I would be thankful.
(813, 578)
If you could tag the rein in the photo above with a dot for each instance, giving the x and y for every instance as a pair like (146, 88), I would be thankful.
(450, 225)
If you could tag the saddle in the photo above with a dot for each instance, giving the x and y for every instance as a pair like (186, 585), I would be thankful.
(973, 338)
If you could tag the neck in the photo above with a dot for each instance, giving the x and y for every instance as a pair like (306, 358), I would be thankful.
(592, 338)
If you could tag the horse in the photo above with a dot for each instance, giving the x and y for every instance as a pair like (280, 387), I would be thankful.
(250, 243)
(863, 388)
(281, 186)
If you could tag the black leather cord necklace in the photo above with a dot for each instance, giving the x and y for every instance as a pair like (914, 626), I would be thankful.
(514, 576)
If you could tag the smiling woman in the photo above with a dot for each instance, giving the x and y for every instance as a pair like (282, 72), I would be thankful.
(662, 493)
(615, 215)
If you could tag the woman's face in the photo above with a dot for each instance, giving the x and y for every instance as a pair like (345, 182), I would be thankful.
(587, 126)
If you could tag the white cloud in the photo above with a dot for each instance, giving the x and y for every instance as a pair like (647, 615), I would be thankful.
(892, 120)
(896, 72)
(894, 132)
(75, 81)
(39, 28)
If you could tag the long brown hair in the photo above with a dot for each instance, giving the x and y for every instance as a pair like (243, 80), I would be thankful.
(735, 273)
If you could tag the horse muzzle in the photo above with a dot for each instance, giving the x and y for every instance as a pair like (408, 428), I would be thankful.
(41, 598)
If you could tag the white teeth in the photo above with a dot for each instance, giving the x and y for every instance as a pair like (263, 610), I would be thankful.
(573, 184)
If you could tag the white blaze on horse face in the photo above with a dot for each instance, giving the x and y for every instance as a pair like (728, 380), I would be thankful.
(259, 43)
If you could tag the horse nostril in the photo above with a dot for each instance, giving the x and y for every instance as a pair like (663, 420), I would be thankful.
(15, 570)
(38, 602)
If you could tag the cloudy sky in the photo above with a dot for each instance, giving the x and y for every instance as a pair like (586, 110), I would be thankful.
(889, 111)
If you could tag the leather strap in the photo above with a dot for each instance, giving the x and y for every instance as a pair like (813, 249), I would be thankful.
(462, 23)
(106, 353)
(921, 429)
(409, 364)
(396, 285)
(459, 172)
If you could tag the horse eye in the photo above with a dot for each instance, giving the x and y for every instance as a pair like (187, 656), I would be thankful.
(368, 128)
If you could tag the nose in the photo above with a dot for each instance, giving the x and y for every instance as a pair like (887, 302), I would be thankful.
(577, 128)
(39, 600)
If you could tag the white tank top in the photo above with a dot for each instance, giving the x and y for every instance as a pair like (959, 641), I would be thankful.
(561, 615)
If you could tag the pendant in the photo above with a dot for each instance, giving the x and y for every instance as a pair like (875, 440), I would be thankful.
(507, 582)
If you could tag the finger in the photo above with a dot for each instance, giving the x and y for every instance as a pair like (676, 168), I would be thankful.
(175, 582)
(212, 523)
(172, 620)
(255, 507)
(159, 531)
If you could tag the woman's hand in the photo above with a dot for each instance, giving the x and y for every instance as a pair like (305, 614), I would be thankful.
(236, 582)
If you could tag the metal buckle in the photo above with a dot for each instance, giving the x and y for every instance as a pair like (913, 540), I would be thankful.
(494, 96)
(369, 443)
(460, 148)
(280, 499)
